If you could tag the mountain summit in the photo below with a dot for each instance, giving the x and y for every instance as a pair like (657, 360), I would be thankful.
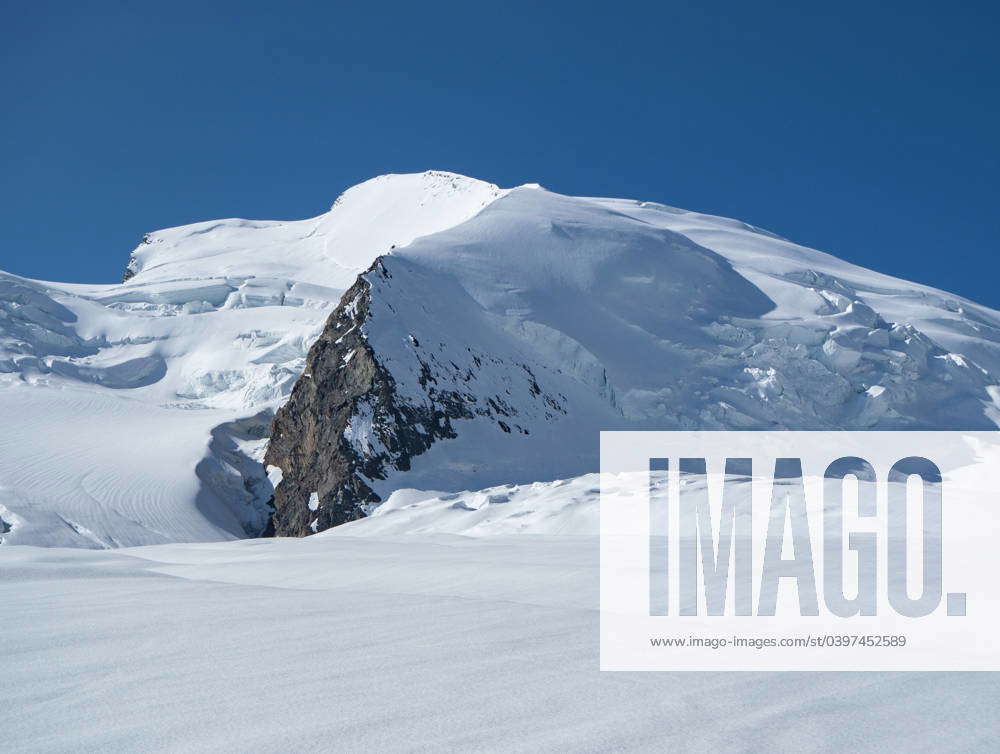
(495, 351)
(433, 331)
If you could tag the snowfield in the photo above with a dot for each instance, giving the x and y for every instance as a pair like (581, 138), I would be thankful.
(562, 506)
(418, 643)
(143, 610)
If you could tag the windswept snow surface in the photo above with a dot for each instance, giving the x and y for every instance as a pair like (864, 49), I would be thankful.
(433, 643)
(562, 506)
(136, 413)
(548, 318)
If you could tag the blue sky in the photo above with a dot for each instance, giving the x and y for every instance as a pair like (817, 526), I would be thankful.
(869, 130)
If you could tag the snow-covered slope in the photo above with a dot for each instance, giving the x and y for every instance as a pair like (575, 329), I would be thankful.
(136, 413)
(493, 352)
(368, 219)
(557, 507)
(402, 644)
(495, 335)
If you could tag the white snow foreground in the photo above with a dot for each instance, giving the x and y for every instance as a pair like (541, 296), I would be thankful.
(436, 643)
(136, 413)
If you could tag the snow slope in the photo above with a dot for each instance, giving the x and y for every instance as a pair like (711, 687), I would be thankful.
(506, 328)
(501, 347)
(388, 644)
(560, 507)
(136, 413)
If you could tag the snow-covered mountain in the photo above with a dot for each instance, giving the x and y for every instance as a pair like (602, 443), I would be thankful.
(135, 413)
(491, 334)
(494, 352)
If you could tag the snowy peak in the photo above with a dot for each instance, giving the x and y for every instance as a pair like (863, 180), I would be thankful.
(495, 351)
(181, 367)
(485, 337)
(432, 187)
(329, 250)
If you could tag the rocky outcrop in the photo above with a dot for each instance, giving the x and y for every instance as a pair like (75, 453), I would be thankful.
(346, 397)
(133, 266)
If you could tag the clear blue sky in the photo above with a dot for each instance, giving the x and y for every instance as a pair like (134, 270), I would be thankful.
(869, 130)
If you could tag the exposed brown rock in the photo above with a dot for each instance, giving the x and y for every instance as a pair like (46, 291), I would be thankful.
(343, 379)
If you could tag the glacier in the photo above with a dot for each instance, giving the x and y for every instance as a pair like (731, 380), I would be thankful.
(512, 323)
(137, 413)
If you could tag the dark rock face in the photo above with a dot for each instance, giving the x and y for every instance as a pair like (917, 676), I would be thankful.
(129, 271)
(133, 263)
(344, 381)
